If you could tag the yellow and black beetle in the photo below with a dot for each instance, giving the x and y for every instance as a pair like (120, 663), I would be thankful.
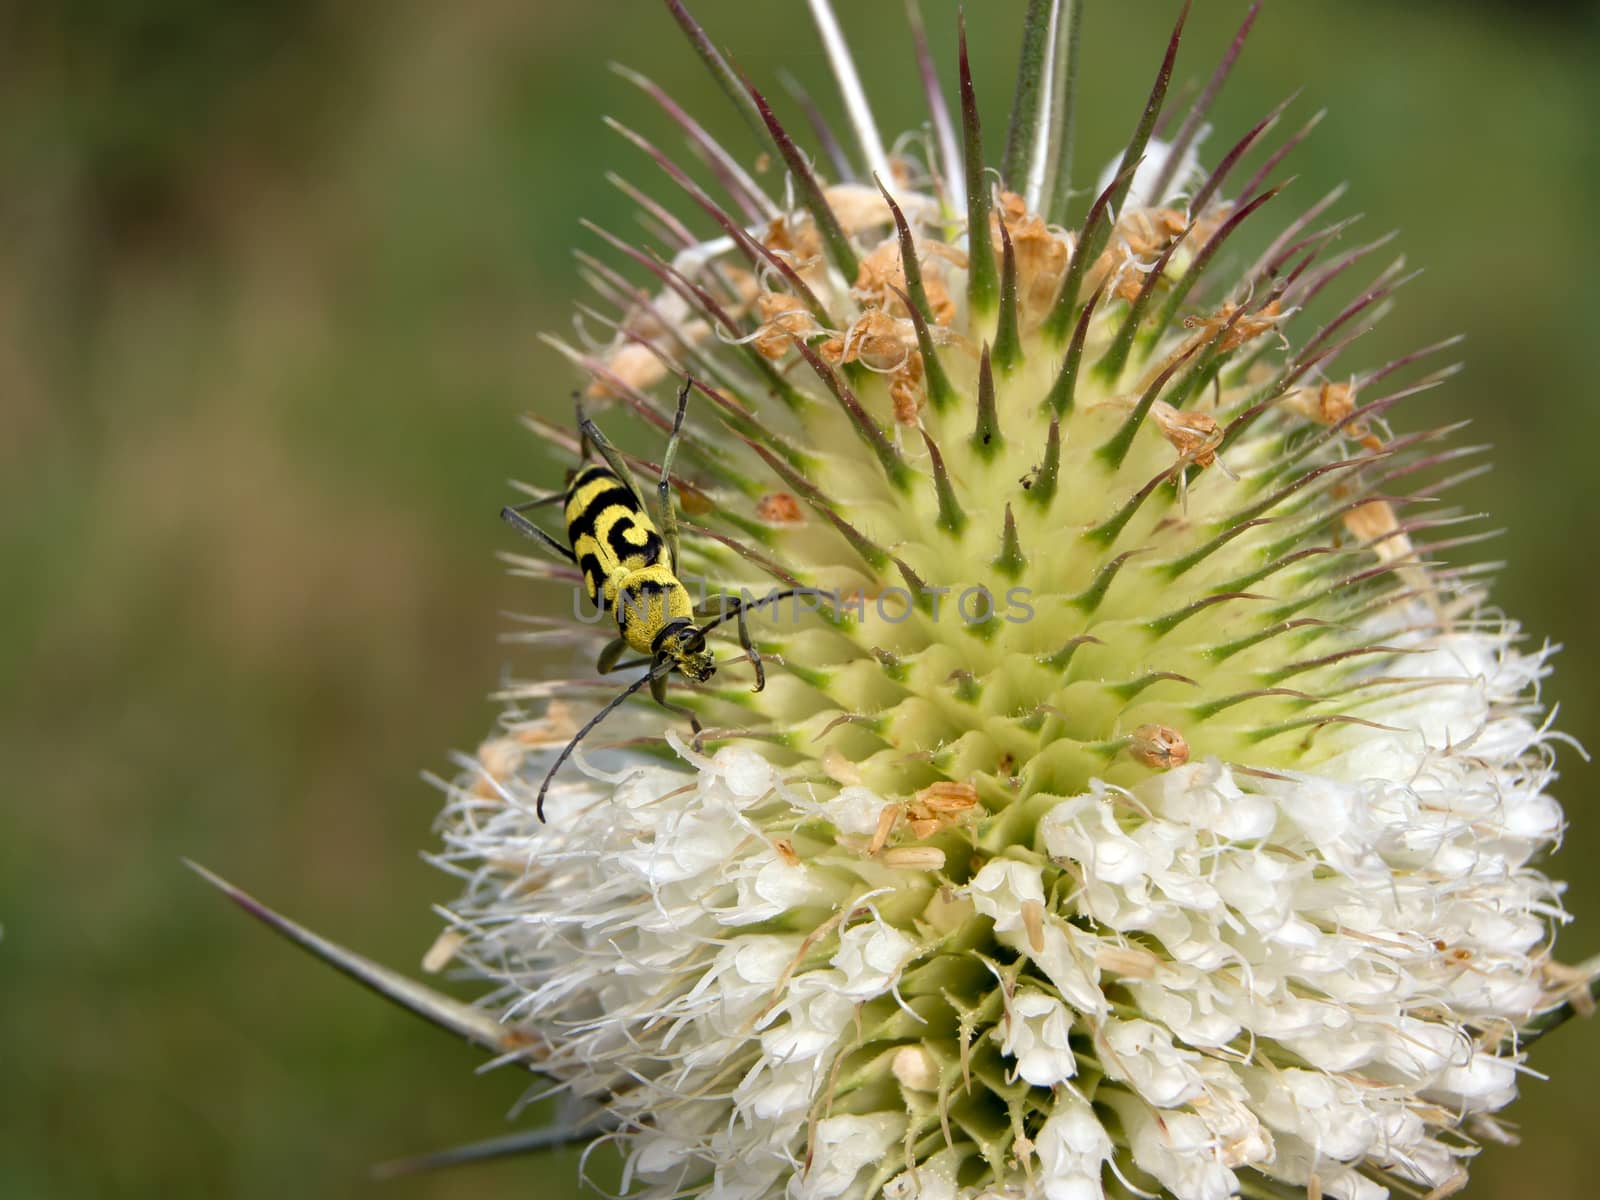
(630, 568)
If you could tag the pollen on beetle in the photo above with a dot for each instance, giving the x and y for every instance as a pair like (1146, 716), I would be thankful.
(1105, 784)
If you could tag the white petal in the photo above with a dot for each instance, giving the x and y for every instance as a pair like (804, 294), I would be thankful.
(842, 1146)
(1072, 1146)
(1035, 1031)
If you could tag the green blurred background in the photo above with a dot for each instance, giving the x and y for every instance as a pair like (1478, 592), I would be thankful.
(270, 283)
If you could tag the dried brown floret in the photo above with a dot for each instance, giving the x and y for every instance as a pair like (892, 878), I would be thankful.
(794, 236)
(631, 364)
(1245, 329)
(880, 275)
(1159, 746)
(879, 341)
(1329, 404)
(782, 317)
(1375, 522)
(1041, 255)
(780, 508)
(906, 390)
(1194, 435)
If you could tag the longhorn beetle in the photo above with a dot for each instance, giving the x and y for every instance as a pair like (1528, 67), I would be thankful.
(631, 568)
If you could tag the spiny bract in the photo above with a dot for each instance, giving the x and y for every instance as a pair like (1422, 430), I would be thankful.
(1133, 804)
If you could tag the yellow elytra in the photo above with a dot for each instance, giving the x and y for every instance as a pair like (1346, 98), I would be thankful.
(628, 571)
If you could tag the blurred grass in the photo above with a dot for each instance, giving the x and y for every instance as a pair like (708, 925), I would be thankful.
(270, 284)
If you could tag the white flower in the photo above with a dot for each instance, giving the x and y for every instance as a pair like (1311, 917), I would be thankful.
(843, 1146)
(1035, 1032)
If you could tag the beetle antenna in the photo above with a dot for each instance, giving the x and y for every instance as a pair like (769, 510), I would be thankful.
(582, 419)
(566, 751)
(538, 502)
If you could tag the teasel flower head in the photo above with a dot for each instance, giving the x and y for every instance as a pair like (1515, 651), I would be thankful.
(1135, 803)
